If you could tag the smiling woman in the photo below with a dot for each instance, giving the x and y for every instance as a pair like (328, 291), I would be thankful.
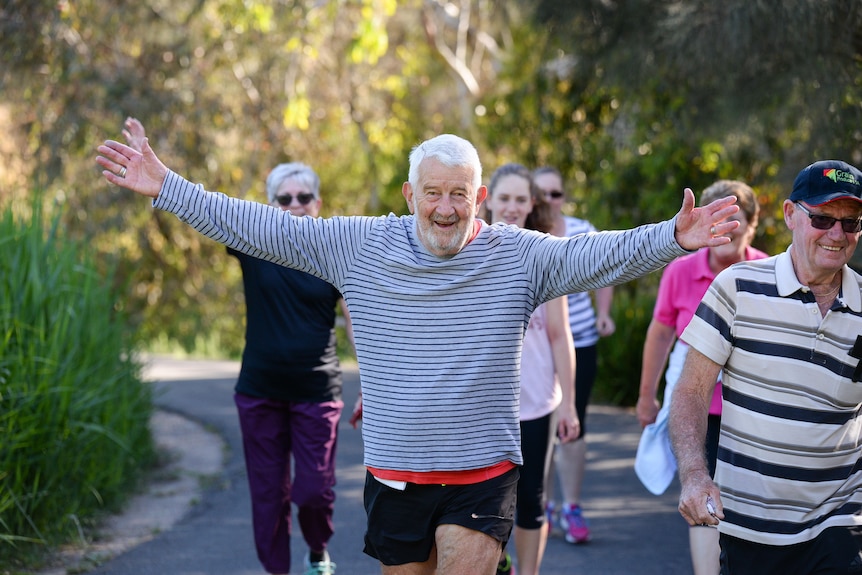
(511, 201)
(515, 199)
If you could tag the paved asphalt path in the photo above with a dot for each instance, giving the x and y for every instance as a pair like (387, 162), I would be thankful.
(633, 532)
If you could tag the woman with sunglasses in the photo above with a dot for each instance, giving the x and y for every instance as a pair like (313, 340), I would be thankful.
(682, 286)
(587, 324)
(547, 407)
(288, 394)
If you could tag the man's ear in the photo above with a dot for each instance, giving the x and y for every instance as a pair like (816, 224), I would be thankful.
(789, 209)
(407, 192)
(481, 195)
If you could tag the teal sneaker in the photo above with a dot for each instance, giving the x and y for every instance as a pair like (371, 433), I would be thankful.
(324, 567)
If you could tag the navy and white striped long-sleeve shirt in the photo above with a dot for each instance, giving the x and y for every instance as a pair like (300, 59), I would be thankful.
(438, 340)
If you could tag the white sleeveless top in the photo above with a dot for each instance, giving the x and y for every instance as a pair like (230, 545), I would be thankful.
(540, 390)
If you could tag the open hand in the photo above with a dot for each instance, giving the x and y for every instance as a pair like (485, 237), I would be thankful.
(705, 226)
(139, 171)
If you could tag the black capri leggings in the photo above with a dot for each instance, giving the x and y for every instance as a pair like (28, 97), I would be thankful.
(537, 443)
(586, 366)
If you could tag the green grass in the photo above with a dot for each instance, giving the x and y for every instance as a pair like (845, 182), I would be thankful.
(74, 412)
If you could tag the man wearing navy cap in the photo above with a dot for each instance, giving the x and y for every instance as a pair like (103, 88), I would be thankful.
(786, 333)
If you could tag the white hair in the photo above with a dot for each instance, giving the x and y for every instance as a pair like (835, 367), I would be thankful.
(295, 171)
(449, 150)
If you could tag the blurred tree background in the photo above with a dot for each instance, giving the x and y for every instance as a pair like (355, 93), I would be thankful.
(632, 99)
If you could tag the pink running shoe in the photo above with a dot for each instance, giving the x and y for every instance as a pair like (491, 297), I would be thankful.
(574, 524)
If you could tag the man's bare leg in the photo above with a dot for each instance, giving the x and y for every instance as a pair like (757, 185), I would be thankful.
(462, 551)
(458, 551)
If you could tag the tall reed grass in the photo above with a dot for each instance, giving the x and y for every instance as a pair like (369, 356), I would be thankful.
(73, 410)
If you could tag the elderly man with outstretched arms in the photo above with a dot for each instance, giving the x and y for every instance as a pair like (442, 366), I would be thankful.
(439, 302)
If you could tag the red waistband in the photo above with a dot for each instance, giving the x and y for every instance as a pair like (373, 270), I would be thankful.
(465, 477)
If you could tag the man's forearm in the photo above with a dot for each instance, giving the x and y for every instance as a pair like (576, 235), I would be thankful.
(687, 427)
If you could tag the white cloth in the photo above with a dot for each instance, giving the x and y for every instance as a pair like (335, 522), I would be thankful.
(655, 464)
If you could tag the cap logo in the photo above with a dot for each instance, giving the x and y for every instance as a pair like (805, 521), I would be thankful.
(837, 175)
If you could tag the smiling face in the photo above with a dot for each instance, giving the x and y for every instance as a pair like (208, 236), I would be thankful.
(445, 203)
(819, 254)
(510, 200)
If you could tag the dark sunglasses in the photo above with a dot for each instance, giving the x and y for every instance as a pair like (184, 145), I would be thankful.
(556, 194)
(286, 199)
(821, 222)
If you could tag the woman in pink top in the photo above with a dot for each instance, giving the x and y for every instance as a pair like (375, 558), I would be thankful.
(683, 284)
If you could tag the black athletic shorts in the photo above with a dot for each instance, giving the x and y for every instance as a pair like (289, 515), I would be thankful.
(836, 551)
(402, 524)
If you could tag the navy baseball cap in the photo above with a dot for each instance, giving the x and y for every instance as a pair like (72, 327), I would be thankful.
(826, 181)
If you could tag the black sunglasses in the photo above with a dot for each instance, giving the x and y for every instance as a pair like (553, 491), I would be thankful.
(556, 194)
(821, 222)
(303, 198)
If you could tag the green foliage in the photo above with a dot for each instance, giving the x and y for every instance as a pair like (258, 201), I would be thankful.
(226, 89)
(631, 100)
(628, 150)
(73, 411)
(795, 85)
(619, 356)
